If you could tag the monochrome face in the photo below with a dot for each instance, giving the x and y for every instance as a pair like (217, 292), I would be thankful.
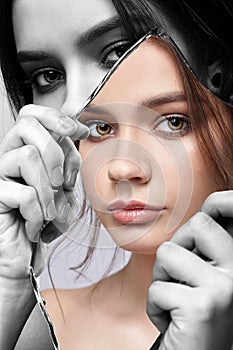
(66, 48)
(142, 170)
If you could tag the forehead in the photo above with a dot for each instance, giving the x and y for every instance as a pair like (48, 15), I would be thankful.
(42, 21)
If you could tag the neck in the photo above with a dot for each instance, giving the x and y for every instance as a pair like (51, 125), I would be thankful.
(128, 288)
(131, 284)
(138, 273)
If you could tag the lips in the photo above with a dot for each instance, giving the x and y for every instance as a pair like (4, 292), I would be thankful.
(134, 212)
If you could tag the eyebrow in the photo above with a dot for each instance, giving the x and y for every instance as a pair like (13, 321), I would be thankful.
(163, 99)
(31, 55)
(98, 30)
(84, 40)
(151, 103)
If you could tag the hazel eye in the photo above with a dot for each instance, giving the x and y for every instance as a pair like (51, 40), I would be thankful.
(103, 129)
(98, 130)
(174, 125)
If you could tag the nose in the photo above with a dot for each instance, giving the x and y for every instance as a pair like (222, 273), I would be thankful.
(122, 169)
(130, 160)
(74, 98)
(79, 87)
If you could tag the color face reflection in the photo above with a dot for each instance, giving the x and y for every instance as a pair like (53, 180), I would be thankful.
(142, 170)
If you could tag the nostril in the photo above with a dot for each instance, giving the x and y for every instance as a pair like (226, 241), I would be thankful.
(127, 170)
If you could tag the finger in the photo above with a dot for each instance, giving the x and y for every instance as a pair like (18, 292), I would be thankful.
(173, 262)
(24, 198)
(164, 297)
(72, 163)
(208, 237)
(29, 131)
(27, 163)
(67, 209)
(55, 121)
(219, 204)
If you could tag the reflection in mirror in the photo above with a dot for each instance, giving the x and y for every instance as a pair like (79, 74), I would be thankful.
(144, 175)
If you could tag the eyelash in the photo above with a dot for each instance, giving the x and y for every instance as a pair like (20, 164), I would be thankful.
(176, 133)
(166, 118)
(125, 45)
(34, 76)
(105, 62)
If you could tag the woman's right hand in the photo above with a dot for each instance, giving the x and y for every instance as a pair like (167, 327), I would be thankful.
(32, 165)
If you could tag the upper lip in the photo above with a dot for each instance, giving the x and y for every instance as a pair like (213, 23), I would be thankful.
(133, 204)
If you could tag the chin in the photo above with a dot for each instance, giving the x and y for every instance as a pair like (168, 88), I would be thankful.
(148, 244)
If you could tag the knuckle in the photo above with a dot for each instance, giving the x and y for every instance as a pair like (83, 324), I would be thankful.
(25, 111)
(29, 152)
(164, 250)
(199, 219)
(212, 198)
(24, 123)
(30, 195)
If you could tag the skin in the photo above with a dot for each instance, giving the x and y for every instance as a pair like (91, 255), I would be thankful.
(135, 159)
(29, 151)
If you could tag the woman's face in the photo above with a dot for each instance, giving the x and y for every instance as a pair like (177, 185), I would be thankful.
(142, 170)
(143, 174)
(66, 48)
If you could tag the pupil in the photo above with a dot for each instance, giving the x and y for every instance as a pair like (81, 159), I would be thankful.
(175, 123)
(51, 76)
(103, 129)
(120, 50)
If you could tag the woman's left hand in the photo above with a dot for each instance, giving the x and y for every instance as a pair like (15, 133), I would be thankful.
(191, 297)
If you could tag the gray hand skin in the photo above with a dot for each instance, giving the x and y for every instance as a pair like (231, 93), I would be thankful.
(28, 156)
(191, 297)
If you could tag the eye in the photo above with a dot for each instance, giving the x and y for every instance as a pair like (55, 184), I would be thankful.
(99, 130)
(46, 79)
(174, 125)
(112, 54)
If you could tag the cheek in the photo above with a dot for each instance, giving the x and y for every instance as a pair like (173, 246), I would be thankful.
(203, 180)
(94, 173)
(195, 184)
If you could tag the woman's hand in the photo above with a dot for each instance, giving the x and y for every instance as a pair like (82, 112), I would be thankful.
(191, 297)
(32, 166)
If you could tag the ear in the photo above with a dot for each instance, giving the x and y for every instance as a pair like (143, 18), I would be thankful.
(215, 77)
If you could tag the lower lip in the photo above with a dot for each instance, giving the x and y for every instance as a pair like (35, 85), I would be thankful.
(135, 216)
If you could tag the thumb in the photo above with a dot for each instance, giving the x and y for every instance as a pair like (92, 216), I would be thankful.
(160, 318)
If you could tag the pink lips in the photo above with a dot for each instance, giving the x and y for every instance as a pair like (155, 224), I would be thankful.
(134, 212)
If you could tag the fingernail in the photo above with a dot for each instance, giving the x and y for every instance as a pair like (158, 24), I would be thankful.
(66, 210)
(57, 176)
(73, 177)
(67, 122)
(51, 211)
(36, 237)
